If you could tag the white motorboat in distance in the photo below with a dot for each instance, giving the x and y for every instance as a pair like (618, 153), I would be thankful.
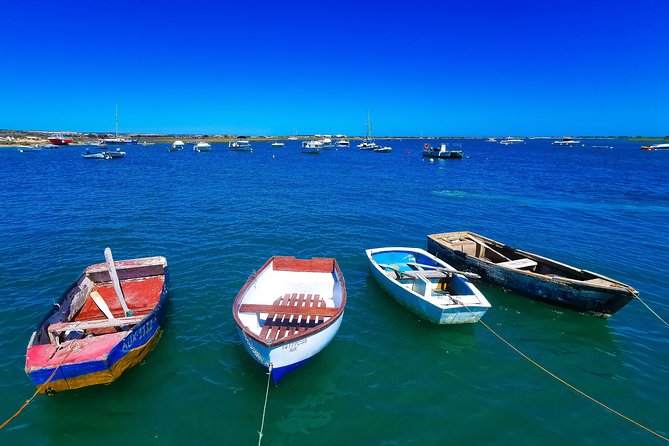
(202, 146)
(240, 146)
(278, 144)
(385, 149)
(342, 143)
(312, 147)
(566, 141)
(177, 145)
(426, 285)
(511, 140)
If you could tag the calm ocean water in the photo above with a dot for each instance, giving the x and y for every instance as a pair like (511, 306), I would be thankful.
(387, 378)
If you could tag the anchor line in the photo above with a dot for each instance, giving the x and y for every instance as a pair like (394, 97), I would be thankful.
(73, 346)
(651, 310)
(562, 381)
(264, 408)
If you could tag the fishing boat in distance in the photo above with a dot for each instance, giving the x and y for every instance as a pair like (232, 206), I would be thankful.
(311, 147)
(289, 310)
(566, 141)
(427, 286)
(278, 144)
(115, 154)
(511, 140)
(105, 323)
(176, 146)
(491, 140)
(58, 139)
(26, 149)
(656, 147)
(102, 155)
(532, 275)
(202, 146)
(384, 149)
(240, 146)
(442, 151)
(342, 143)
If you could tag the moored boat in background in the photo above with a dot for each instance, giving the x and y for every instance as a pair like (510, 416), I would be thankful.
(566, 141)
(511, 140)
(105, 323)
(240, 146)
(289, 310)
(427, 286)
(202, 146)
(58, 139)
(176, 146)
(532, 275)
(312, 147)
(656, 147)
(442, 151)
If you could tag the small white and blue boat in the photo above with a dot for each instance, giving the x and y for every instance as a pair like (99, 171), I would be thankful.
(240, 146)
(289, 310)
(202, 146)
(427, 286)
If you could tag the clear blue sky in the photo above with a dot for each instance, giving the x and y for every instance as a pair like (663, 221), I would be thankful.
(254, 67)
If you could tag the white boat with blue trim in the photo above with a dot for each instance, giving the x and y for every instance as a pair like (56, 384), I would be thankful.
(289, 310)
(426, 285)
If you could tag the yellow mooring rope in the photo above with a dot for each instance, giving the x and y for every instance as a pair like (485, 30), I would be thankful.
(40, 387)
(651, 310)
(542, 368)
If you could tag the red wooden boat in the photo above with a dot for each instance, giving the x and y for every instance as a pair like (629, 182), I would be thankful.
(105, 323)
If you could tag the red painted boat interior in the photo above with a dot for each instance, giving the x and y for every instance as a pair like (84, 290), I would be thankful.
(141, 296)
(80, 350)
(310, 266)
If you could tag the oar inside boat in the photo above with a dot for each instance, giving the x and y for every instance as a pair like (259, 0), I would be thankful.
(115, 281)
(447, 271)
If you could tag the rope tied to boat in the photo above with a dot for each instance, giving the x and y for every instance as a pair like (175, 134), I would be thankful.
(562, 381)
(73, 347)
(264, 408)
(651, 310)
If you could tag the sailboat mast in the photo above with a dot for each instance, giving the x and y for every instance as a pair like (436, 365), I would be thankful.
(369, 125)
(117, 120)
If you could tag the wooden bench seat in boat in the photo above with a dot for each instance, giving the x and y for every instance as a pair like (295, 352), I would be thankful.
(87, 325)
(290, 314)
(518, 264)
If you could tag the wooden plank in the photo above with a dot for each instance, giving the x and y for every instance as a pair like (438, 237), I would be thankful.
(484, 245)
(87, 325)
(282, 310)
(518, 263)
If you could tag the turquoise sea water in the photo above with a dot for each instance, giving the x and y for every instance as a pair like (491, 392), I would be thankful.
(387, 377)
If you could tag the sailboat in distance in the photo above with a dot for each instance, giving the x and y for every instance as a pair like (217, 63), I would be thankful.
(368, 143)
(116, 139)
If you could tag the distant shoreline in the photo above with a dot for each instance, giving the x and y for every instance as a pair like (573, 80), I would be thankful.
(13, 138)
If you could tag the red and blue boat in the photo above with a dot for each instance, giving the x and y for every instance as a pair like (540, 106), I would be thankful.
(105, 323)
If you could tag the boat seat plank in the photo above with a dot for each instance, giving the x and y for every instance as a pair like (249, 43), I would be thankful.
(290, 314)
(518, 264)
(87, 325)
(287, 310)
(428, 274)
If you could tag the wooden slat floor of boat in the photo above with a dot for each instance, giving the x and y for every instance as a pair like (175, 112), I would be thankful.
(280, 325)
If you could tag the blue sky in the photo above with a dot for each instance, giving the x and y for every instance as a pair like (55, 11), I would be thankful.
(440, 68)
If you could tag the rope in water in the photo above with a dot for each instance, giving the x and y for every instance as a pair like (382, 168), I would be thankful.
(562, 381)
(264, 409)
(651, 310)
(73, 346)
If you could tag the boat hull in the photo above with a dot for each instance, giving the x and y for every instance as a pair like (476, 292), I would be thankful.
(94, 360)
(571, 294)
(287, 332)
(287, 357)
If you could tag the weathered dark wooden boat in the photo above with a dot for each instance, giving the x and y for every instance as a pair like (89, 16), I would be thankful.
(532, 275)
(105, 323)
